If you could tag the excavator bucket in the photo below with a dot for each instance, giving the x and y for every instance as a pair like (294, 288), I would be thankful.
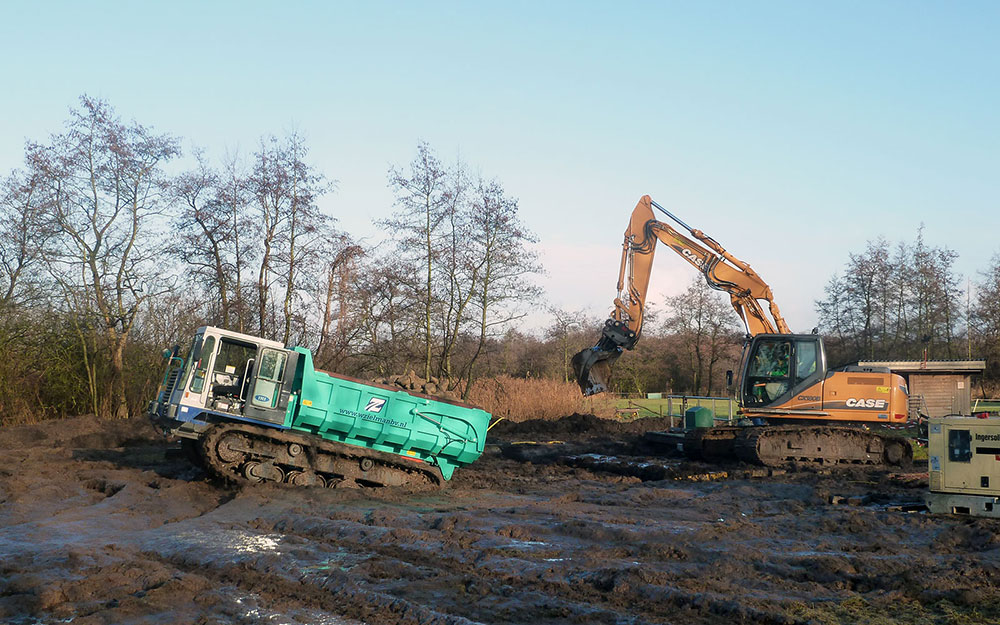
(592, 366)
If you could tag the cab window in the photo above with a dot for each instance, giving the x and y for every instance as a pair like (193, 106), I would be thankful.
(768, 371)
(193, 354)
(230, 365)
(201, 367)
(269, 376)
(805, 360)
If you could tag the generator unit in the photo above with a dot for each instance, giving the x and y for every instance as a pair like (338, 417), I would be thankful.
(964, 466)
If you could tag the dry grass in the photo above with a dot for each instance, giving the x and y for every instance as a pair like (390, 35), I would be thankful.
(520, 399)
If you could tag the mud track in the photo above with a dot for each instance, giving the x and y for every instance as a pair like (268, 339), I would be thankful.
(103, 522)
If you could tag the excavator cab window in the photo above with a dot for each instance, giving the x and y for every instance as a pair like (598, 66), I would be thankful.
(780, 365)
(806, 360)
(768, 371)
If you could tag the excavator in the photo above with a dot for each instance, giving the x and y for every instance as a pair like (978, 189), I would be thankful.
(799, 410)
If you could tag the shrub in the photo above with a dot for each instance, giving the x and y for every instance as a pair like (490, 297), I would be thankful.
(521, 399)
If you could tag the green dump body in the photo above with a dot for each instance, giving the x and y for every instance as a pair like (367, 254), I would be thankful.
(442, 433)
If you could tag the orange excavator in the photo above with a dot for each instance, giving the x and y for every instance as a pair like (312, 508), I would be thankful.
(802, 412)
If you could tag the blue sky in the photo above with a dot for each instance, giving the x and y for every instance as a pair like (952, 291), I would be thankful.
(791, 132)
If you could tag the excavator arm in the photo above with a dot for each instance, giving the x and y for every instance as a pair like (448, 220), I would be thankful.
(721, 269)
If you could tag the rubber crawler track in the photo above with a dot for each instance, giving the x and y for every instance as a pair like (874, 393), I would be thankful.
(241, 453)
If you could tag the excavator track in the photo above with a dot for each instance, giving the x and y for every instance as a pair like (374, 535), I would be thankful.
(803, 445)
(821, 446)
(240, 452)
(711, 443)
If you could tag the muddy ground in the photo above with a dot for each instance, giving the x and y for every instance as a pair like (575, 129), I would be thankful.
(104, 522)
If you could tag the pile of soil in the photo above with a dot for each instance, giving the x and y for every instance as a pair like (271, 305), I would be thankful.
(434, 386)
(78, 432)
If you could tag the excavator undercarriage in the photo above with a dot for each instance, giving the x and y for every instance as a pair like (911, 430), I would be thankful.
(803, 445)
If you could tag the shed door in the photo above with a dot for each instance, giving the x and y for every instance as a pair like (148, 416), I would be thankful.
(943, 394)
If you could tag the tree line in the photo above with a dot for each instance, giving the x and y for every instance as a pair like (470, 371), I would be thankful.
(108, 254)
(904, 301)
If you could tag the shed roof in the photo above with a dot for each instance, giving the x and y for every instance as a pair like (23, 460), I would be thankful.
(929, 366)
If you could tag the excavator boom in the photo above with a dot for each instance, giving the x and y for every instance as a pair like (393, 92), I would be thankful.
(721, 269)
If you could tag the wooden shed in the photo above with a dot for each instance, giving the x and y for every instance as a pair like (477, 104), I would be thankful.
(938, 388)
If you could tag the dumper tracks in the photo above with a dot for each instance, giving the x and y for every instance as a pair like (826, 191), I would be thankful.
(238, 452)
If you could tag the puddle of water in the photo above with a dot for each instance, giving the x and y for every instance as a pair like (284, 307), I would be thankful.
(341, 560)
(238, 541)
(524, 544)
(602, 459)
(298, 617)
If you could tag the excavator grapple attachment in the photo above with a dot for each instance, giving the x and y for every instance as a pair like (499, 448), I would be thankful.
(592, 366)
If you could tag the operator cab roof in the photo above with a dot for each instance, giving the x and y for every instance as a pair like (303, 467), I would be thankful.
(241, 337)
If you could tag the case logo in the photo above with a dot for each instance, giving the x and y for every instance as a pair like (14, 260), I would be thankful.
(865, 403)
(375, 404)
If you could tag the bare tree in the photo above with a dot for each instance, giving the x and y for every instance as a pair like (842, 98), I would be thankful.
(422, 204)
(285, 189)
(105, 192)
(338, 328)
(216, 235)
(502, 263)
(893, 306)
(704, 321)
(388, 318)
(564, 327)
(986, 321)
(21, 239)
(459, 273)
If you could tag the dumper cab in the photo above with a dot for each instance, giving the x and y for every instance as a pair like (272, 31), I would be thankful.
(230, 375)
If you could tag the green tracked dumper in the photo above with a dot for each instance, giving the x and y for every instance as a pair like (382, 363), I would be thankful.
(251, 409)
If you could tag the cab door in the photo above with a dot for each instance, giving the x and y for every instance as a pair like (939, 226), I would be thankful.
(198, 386)
(270, 388)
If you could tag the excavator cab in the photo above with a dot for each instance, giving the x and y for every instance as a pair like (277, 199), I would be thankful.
(778, 367)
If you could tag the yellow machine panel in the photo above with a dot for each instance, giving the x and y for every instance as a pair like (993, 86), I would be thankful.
(964, 466)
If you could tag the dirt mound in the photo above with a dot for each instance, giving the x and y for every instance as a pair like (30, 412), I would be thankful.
(433, 386)
(579, 425)
(78, 432)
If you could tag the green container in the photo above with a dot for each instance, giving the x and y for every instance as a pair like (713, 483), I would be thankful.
(443, 433)
(698, 417)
